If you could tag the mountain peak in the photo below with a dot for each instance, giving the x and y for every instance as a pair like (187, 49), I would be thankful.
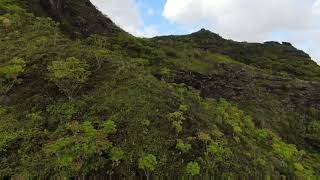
(203, 31)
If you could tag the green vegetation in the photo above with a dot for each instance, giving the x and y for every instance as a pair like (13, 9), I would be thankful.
(78, 100)
(148, 163)
(313, 132)
(69, 75)
(9, 74)
(193, 168)
(183, 147)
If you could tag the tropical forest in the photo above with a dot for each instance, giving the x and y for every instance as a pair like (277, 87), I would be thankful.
(81, 96)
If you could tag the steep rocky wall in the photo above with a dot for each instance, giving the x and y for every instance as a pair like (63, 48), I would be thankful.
(53, 7)
(252, 92)
(77, 17)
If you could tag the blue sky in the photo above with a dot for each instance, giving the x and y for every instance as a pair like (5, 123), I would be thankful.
(151, 12)
(295, 21)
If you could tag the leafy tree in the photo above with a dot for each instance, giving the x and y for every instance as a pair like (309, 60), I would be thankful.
(140, 62)
(9, 74)
(116, 155)
(6, 23)
(193, 168)
(301, 171)
(183, 147)
(216, 134)
(69, 75)
(109, 127)
(101, 56)
(313, 132)
(232, 117)
(148, 163)
(287, 152)
(145, 122)
(83, 143)
(178, 126)
(165, 73)
(264, 136)
(62, 112)
(184, 108)
(219, 151)
(176, 119)
(35, 119)
(205, 138)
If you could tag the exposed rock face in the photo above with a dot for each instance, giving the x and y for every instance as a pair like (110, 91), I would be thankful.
(237, 85)
(79, 17)
(56, 4)
(253, 90)
(54, 7)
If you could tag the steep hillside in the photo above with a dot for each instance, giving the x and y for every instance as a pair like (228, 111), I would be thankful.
(79, 96)
(77, 18)
(275, 83)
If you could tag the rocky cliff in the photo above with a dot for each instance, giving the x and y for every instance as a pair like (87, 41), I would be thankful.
(77, 17)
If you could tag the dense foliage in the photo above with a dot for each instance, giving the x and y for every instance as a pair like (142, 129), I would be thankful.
(178, 105)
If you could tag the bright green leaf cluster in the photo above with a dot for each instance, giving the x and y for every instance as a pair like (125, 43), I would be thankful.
(183, 147)
(193, 168)
(232, 116)
(288, 152)
(219, 151)
(148, 162)
(116, 154)
(109, 127)
(203, 136)
(177, 119)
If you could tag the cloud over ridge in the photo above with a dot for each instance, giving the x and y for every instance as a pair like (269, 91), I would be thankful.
(296, 21)
(248, 20)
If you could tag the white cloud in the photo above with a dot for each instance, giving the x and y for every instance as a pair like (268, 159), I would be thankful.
(316, 7)
(249, 20)
(126, 14)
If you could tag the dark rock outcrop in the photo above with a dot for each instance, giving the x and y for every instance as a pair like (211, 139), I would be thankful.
(54, 7)
(236, 84)
(77, 17)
